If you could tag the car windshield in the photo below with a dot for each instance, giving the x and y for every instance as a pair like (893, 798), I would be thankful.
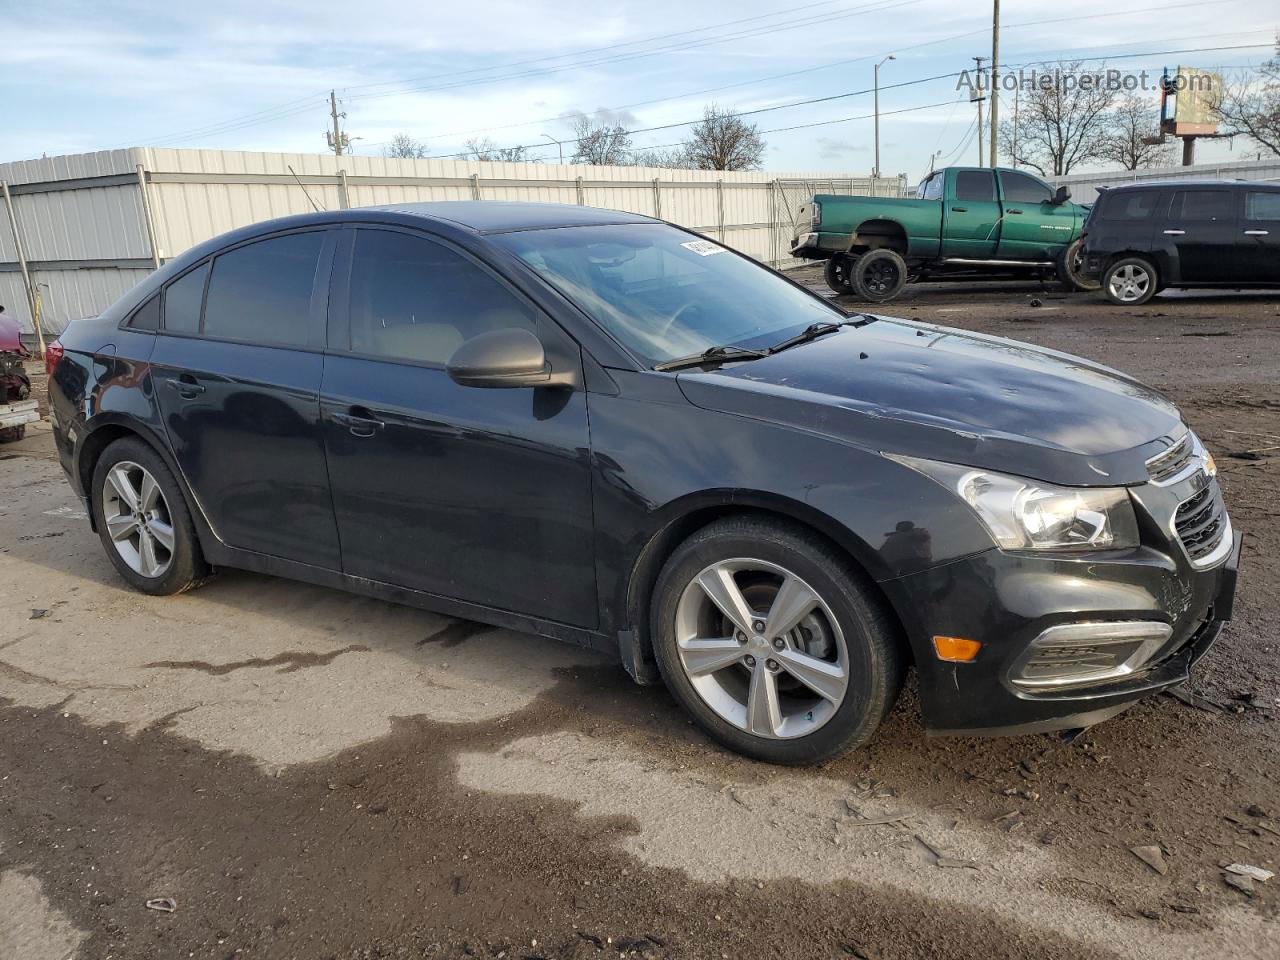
(664, 293)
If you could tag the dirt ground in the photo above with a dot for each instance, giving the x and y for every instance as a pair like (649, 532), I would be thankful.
(312, 774)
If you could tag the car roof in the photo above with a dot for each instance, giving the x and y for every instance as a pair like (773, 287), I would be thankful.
(502, 216)
(1188, 183)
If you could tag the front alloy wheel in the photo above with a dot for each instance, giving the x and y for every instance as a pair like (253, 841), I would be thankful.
(762, 648)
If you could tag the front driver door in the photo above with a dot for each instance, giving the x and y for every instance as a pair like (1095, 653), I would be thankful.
(481, 495)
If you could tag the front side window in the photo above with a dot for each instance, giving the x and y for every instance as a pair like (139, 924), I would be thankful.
(183, 300)
(1262, 205)
(1129, 205)
(261, 292)
(1020, 188)
(975, 185)
(1202, 205)
(664, 293)
(417, 300)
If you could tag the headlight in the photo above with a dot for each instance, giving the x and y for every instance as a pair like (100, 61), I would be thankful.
(1023, 514)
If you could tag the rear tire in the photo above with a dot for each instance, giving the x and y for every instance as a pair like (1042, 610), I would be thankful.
(879, 275)
(821, 666)
(836, 273)
(1071, 268)
(1130, 281)
(143, 520)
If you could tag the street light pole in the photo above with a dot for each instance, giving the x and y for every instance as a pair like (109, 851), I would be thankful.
(875, 172)
(559, 145)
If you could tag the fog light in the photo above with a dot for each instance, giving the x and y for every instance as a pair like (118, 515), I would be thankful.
(1079, 653)
(956, 649)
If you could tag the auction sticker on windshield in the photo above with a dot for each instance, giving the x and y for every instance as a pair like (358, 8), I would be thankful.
(703, 248)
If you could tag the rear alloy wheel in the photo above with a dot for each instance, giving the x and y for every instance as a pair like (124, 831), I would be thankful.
(1071, 268)
(879, 275)
(836, 273)
(770, 645)
(143, 521)
(1130, 281)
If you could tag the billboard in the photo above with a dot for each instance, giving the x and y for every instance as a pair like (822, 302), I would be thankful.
(1195, 94)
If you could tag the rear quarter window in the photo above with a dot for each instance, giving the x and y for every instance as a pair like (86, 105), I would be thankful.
(147, 316)
(1129, 205)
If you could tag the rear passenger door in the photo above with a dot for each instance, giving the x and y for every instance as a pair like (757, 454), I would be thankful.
(481, 495)
(1259, 243)
(236, 370)
(1202, 226)
(970, 215)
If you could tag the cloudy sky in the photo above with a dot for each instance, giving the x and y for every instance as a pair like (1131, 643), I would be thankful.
(80, 76)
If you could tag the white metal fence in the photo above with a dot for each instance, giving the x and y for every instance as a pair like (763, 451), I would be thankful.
(1085, 186)
(88, 227)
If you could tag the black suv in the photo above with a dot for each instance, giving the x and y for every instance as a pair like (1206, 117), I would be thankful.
(606, 429)
(1142, 238)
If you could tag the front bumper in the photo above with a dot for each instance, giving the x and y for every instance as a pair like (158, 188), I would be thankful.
(1007, 601)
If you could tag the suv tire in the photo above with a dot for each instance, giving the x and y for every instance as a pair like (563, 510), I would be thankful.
(143, 520)
(1130, 281)
(879, 275)
(823, 662)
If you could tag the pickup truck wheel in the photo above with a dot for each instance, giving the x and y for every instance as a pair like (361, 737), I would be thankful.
(837, 273)
(879, 275)
(1071, 267)
(1130, 281)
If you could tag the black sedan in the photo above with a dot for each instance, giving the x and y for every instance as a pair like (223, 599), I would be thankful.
(606, 429)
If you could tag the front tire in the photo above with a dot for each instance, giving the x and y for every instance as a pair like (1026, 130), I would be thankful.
(836, 273)
(879, 275)
(143, 520)
(1071, 268)
(1130, 281)
(773, 643)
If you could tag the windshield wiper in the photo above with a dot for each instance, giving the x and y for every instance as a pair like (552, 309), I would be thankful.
(712, 355)
(815, 330)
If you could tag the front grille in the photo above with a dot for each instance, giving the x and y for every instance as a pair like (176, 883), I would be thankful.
(1171, 462)
(1201, 523)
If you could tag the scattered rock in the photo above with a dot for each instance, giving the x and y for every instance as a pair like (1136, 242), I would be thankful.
(1254, 810)
(1250, 871)
(1243, 884)
(163, 904)
(1036, 302)
(1152, 856)
(38, 613)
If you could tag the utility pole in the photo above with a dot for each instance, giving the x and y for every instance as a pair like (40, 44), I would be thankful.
(876, 170)
(337, 139)
(995, 72)
(978, 100)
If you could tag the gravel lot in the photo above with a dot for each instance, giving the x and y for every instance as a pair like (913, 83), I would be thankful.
(312, 774)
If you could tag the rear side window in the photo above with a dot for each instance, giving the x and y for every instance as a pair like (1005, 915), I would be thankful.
(147, 316)
(1262, 205)
(261, 292)
(1020, 188)
(975, 185)
(417, 300)
(1129, 205)
(183, 299)
(1202, 205)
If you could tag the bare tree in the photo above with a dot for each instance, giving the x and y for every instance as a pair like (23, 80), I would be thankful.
(1062, 121)
(724, 141)
(487, 150)
(600, 144)
(672, 158)
(405, 147)
(1250, 105)
(1132, 138)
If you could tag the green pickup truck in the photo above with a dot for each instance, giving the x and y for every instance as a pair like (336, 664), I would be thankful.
(971, 222)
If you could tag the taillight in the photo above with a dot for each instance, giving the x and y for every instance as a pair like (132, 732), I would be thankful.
(52, 354)
(817, 213)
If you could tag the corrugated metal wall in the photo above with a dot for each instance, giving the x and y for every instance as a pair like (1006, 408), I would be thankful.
(87, 237)
(1085, 186)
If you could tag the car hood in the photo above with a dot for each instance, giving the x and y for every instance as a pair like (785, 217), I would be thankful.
(898, 386)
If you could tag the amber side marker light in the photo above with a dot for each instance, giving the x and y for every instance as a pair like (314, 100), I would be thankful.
(956, 649)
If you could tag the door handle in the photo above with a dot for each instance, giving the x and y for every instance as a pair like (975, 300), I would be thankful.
(959, 209)
(1174, 233)
(1013, 211)
(360, 422)
(1257, 233)
(188, 389)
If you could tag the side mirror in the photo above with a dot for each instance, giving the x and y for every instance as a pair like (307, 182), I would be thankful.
(1061, 196)
(501, 358)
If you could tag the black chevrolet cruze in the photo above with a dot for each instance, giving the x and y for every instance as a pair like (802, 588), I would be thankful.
(606, 429)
